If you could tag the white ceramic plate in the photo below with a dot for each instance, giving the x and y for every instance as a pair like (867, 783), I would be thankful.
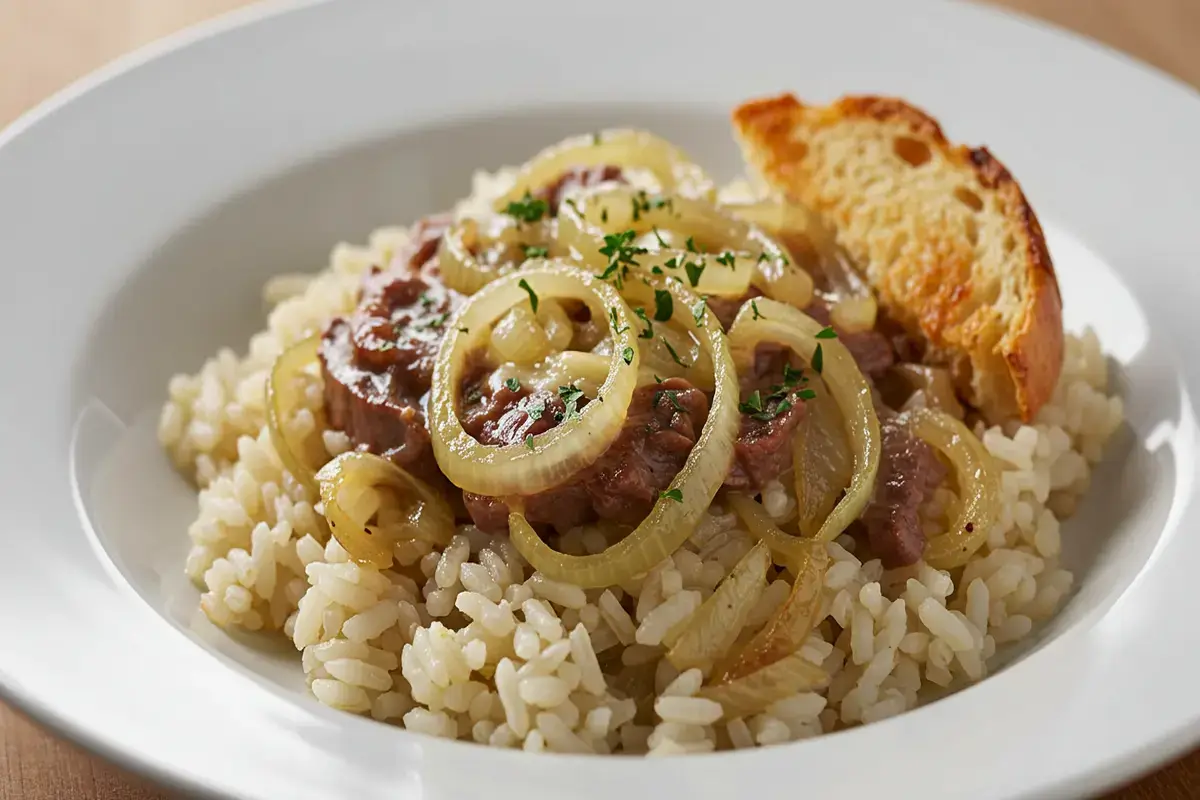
(141, 210)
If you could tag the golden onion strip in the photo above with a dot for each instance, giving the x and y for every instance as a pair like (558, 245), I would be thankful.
(783, 324)
(855, 306)
(347, 484)
(551, 457)
(750, 256)
(711, 632)
(821, 460)
(978, 483)
(777, 681)
(458, 261)
(787, 629)
(283, 398)
(670, 522)
(627, 149)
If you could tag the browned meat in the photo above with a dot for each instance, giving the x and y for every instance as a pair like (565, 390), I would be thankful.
(378, 362)
(763, 449)
(727, 308)
(426, 235)
(909, 472)
(579, 177)
(872, 350)
(663, 423)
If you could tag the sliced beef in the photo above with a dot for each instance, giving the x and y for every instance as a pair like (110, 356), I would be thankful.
(764, 444)
(909, 472)
(577, 178)
(377, 364)
(726, 308)
(872, 351)
(661, 427)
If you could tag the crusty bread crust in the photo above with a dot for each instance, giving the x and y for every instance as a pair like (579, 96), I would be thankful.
(944, 235)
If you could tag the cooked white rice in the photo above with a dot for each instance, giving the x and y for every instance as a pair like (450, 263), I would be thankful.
(482, 649)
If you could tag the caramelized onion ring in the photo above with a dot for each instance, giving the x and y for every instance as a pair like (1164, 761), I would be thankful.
(298, 457)
(783, 324)
(627, 149)
(978, 483)
(347, 483)
(670, 521)
(557, 454)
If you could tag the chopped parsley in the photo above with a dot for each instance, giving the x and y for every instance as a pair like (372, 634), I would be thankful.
(648, 333)
(754, 309)
(527, 209)
(536, 252)
(383, 348)
(627, 354)
(672, 395)
(436, 321)
(473, 395)
(818, 359)
(662, 202)
(674, 356)
(779, 401)
(671, 263)
(694, 271)
(827, 333)
(691, 245)
(620, 250)
(604, 214)
(571, 395)
(529, 441)
(464, 330)
(698, 312)
(807, 394)
(513, 385)
(533, 298)
(664, 305)
(752, 403)
(727, 259)
(791, 376)
(671, 494)
(658, 236)
(570, 202)
(612, 316)
(763, 257)
(426, 300)
(534, 408)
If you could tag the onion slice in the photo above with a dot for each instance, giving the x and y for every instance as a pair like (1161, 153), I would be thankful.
(854, 306)
(787, 629)
(749, 256)
(283, 397)
(628, 149)
(458, 261)
(349, 493)
(978, 483)
(822, 461)
(551, 457)
(711, 632)
(753, 693)
(671, 521)
(777, 322)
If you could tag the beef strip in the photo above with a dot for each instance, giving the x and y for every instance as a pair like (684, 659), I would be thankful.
(909, 472)
(763, 448)
(872, 351)
(660, 429)
(377, 362)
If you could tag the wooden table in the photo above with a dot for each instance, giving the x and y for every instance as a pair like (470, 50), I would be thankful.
(44, 44)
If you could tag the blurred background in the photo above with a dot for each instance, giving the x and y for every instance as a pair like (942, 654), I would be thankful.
(46, 44)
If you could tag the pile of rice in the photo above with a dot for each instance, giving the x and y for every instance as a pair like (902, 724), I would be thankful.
(481, 648)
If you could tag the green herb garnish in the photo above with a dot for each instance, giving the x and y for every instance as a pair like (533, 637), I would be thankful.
(571, 395)
(694, 271)
(529, 441)
(536, 252)
(612, 316)
(727, 258)
(534, 409)
(690, 244)
(648, 333)
(827, 333)
(754, 308)
(658, 236)
(672, 395)
(671, 494)
(664, 305)
(513, 385)
(674, 356)
(627, 354)
(818, 359)
(698, 312)
(527, 209)
(533, 298)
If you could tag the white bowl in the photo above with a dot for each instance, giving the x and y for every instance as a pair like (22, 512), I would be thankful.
(141, 209)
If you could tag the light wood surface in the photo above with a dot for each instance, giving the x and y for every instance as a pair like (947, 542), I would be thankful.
(45, 44)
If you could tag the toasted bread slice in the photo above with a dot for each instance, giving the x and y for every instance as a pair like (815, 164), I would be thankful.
(943, 233)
